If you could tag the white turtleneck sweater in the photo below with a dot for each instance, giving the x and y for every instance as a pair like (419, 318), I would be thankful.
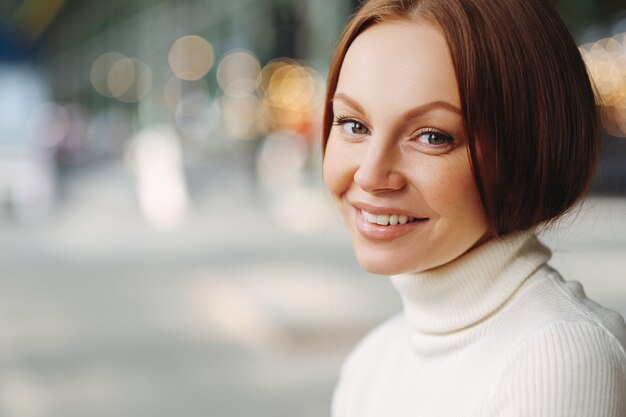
(495, 333)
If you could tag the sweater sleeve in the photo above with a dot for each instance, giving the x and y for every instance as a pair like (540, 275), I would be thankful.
(566, 369)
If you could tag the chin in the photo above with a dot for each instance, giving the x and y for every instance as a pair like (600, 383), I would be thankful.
(383, 265)
(380, 269)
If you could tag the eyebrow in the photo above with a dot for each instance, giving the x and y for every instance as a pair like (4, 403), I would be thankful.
(419, 110)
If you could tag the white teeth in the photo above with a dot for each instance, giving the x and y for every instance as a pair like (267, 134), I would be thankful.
(382, 219)
(369, 216)
(386, 219)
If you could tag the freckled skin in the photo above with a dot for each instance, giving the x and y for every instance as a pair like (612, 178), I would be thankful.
(390, 69)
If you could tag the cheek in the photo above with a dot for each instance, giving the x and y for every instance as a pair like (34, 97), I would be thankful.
(450, 190)
(337, 169)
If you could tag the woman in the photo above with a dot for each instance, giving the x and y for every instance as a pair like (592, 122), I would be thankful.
(454, 129)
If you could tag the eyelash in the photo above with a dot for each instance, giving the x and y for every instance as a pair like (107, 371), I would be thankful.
(342, 120)
(449, 140)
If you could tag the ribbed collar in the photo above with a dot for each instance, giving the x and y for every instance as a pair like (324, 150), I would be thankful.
(467, 290)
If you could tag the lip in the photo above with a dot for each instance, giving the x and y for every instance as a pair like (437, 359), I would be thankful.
(378, 210)
(383, 233)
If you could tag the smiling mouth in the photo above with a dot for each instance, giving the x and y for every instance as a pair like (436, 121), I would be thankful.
(389, 219)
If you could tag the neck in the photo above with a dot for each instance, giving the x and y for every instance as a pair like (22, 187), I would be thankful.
(467, 290)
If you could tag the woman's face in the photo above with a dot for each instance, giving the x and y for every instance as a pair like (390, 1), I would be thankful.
(396, 160)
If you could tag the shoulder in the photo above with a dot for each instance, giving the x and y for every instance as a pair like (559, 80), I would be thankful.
(547, 301)
(566, 355)
(565, 368)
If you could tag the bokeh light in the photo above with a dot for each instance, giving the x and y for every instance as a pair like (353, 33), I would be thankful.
(292, 92)
(239, 116)
(156, 159)
(606, 63)
(116, 75)
(143, 80)
(101, 69)
(130, 80)
(191, 57)
(238, 72)
(121, 77)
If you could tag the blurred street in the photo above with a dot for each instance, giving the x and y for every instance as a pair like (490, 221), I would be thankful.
(230, 315)
(100, 315)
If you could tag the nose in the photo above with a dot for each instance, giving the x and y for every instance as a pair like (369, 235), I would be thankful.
(379, 171)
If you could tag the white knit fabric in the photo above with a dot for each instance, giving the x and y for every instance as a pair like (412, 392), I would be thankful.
(495, 333)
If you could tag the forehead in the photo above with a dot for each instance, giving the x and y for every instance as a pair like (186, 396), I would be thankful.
(394, 65)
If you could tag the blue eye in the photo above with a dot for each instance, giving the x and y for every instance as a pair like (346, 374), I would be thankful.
(351, 126)
(434, 138)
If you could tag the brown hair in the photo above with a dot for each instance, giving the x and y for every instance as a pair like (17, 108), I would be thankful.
(526, 97)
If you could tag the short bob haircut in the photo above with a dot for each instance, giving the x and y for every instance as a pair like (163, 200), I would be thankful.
(527, 101)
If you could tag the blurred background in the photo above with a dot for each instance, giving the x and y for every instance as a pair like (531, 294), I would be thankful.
(166, 243)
